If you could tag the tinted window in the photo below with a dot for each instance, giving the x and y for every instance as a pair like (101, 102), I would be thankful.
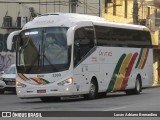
(43, 50)
(122, 37)
(83, 42)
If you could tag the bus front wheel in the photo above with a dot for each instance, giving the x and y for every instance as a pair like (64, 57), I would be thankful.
(93, 91)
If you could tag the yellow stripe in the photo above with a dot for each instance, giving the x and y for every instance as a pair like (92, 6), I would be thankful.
(40, 81)
(142, 59)
(43, 82)
(122, 72)
(21, 76)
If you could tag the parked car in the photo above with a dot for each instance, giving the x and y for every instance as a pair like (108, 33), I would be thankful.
(8, 80)
(2, 86)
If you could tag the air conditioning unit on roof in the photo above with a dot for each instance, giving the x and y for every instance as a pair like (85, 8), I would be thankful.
(21, 21)
(7, 21)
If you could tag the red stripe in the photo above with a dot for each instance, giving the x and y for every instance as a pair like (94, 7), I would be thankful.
(36, 80)
(146, 56)
(130, 66)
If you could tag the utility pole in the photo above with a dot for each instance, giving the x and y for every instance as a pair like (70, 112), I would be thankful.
(69, 6)
(135, 12)
(46, 6)
(73, 5)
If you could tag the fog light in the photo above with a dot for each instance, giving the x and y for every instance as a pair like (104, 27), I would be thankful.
(67, 89)
(18, 91)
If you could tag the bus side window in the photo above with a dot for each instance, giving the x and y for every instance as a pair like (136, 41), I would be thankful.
(83, 42)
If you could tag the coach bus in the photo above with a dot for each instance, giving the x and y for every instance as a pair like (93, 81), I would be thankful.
(65, 54)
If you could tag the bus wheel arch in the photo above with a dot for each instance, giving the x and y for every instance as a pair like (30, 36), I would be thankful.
(93, 90)
(138, 86)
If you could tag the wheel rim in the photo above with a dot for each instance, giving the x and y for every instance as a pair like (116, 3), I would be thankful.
(92, 89)
(138, 85)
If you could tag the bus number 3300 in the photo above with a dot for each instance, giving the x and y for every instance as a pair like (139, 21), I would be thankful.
(57, 75)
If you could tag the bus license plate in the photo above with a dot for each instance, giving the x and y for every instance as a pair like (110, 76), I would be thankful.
(41, 91)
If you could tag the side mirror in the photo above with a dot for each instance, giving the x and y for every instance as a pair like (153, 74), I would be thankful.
(10, 39)
(70, 36)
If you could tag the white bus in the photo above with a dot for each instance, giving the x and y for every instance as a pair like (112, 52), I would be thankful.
(64, 54)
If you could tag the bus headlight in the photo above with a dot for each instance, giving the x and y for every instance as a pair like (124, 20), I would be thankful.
(19, 84)
(66, 82)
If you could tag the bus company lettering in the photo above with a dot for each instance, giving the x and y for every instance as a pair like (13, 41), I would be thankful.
(105, 53)
(40, 76)
(45, 22)
(94, 59)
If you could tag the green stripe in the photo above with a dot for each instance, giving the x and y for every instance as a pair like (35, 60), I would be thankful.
(139, 59)
(116, 72)
(25, 77)
(45, 80)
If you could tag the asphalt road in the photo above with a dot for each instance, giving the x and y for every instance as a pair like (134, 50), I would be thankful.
(148, 100)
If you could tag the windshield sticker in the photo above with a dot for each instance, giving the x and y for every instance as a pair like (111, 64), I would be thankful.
(37, 80)
(31, 33)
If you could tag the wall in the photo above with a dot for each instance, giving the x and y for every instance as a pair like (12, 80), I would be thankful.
(157, 3)
(22, 9)
(6, 59)
(120, 12)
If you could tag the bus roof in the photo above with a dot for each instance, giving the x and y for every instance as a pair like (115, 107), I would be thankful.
(71, 19)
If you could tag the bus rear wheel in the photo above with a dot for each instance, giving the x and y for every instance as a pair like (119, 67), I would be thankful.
(137, 89)
(92, 91)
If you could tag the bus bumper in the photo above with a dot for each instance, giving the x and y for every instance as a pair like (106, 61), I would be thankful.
(44, 92)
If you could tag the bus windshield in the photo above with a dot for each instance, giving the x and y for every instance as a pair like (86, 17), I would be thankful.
(43, 50)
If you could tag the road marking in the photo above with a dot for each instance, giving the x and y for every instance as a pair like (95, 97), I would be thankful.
(114, 109)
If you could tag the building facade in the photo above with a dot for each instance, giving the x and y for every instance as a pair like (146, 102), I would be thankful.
(30, 8)
(15, 13)
(141, 12)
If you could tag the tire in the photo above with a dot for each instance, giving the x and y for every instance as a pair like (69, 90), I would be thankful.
(137, 89)
(50, 99)
(2, 91)
(92, 91)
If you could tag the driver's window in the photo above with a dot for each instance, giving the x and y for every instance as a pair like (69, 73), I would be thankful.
(83, 43)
